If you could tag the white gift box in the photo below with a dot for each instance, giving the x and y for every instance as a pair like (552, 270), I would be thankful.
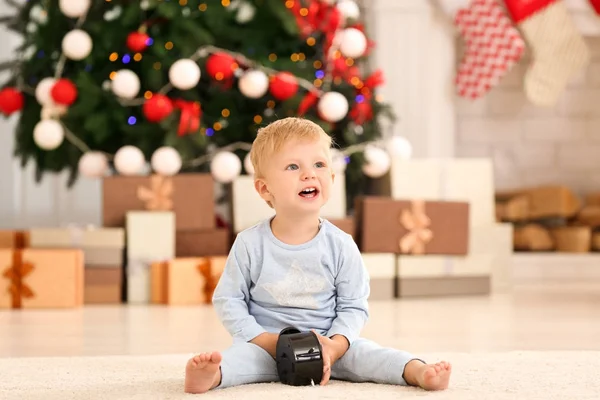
(150, 238)
(457, 179)
(381, 268)
(495, 239)
(248, 208)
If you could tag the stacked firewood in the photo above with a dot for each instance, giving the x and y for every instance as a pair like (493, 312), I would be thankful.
(551, 218)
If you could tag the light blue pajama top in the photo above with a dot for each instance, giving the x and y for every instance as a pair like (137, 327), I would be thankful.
(268, 285)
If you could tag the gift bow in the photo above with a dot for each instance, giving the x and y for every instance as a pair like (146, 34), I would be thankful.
(16, 275)
(210, 281)
(158, 196)
(417, 222)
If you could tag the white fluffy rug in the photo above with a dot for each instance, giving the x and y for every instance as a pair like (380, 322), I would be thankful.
(513, 375)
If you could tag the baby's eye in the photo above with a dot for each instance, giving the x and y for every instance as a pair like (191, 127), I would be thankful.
(292, 167)
(320, 164)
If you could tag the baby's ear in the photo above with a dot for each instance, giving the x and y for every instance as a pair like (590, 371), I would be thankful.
(262, 189)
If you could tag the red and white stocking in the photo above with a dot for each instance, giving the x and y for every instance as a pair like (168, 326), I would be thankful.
(493, 47)
(596, 5)
(558, 49)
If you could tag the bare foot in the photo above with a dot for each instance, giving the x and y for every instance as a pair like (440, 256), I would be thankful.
(428, 376)
(202, 373)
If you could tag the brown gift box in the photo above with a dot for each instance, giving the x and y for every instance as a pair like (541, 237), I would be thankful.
(13, 239)
(412, 227)
(103, 285)
(37, 278)
(345, 224)
(201, 243)
(185, 281)
(190, 196)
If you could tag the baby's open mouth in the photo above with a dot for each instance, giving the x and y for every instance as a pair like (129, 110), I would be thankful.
(309, 192)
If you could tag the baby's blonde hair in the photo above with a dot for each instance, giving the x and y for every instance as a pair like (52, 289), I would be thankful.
(272, 137)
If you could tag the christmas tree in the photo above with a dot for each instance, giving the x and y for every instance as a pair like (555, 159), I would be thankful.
(105, 86)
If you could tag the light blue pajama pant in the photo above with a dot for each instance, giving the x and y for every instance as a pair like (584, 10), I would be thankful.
(365, 361)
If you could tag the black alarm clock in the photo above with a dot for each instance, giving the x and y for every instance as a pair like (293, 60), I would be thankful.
(299, 358)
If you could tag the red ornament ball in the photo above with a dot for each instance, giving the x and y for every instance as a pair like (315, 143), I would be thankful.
(11, 100)
(64, 92)
(157, 108)
(137, 41)
(221, 66)
(284, 85)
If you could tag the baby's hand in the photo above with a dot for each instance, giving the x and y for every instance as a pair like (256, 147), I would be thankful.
(331, 353)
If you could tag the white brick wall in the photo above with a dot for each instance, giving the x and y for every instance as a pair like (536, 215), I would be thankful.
(533, 145)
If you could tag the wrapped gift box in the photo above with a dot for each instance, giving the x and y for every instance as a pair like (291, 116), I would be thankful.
(102, 247)
(150, 238)
(386, 225)
(248, 208)
(346, 224)
(189, 196)
(382, 273)
(103, 285)
(41, 278)
(186, 281)
(200, 243)
(495, 240)
(433, 276)
(13, 239)
(468, 180)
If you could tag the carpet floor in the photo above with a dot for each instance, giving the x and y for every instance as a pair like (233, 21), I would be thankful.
(510, 375)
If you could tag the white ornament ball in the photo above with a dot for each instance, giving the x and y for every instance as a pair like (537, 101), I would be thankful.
(353, 43)
(225, 166)
(245, 13)
(166, 161)
(77, 45)
(348, 9)
(333, 106)
(53, 111)
(93, 164)
(184, 74)
(377, 162)
(248, 167)
(74, 8)
(129, 160)
(126, 84)
(399, 147)
(338, 161)
(42, 91)
(254, 84)
(48, 134)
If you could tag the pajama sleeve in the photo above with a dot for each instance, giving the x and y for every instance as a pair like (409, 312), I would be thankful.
(352, 292)
(232, 295)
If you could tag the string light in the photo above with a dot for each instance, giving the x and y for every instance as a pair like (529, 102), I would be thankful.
(317, 64)
(318, 82)
(148, 95)
(112, 75)
(219, 76)
(225, 113)
(202, 7)
(217, 126)
(272, 57)
(304, 11)
(301, 56)
(114, 57)
(126, 59)
(182, 2)
(294, 57)
(311, 41)
(271, 104)
(349, 62)
(225, 3)
(257, 119)
(137, 57)
(169, 45)
(157, 65)
(289, 3)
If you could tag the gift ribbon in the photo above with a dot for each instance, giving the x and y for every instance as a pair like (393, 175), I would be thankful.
(416, 222)
(210, 282)
(16, 275)
(158, 196)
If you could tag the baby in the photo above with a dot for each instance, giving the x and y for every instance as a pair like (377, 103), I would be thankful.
(299, 270)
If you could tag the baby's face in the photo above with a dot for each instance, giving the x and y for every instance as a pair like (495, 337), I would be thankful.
(298, 178)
